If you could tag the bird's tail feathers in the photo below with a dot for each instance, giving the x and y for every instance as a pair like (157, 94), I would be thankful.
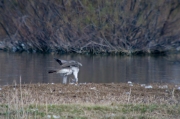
(52, 71)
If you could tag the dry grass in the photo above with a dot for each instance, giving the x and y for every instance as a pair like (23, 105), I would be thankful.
(89, 101)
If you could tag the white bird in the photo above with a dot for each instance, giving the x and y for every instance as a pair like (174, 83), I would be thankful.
(67, 68)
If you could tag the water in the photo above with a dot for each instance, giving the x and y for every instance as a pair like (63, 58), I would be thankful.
(33, 68)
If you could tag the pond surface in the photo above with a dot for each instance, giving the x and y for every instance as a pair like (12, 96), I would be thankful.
(33, 68)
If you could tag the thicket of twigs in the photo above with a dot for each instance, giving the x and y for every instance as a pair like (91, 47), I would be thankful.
(90, 26)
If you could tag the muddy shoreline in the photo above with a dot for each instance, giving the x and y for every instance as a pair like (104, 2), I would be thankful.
(92, 93)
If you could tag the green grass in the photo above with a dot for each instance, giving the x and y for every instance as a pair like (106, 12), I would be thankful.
(88, 111)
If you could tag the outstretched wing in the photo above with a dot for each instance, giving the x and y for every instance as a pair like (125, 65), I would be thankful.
(60, 61)
(75, 63)
(65, 63)
(69, 64)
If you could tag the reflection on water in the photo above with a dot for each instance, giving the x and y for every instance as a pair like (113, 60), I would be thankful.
(33, 68)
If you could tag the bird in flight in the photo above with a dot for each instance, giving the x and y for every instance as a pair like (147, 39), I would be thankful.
(67, 68)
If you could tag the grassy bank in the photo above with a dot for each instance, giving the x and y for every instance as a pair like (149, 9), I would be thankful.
(87, 101)
(93, 111)
(90, 27)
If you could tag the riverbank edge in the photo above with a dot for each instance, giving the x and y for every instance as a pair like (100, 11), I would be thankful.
(26, 47)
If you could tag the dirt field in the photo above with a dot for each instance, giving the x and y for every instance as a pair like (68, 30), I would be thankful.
(91, 93)
(90, 101)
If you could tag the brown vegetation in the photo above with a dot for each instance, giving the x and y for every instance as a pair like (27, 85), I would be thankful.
(89, 101)
(88, 26)
(90, 93)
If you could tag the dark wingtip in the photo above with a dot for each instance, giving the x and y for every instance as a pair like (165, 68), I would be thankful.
(51, 71)
(58, 60)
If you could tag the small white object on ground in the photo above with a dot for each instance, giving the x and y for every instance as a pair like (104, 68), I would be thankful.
(56, 117)
(163, 87)
(48, 116)
(93, 88)
(149, 86)
(130, 83)
(143, 85)
(178, 88)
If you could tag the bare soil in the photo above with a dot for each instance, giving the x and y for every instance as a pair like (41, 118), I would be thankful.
(90, 93)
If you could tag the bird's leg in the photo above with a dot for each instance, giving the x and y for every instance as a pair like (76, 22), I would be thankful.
(76, 80)
(76, 76)
(65, 79)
